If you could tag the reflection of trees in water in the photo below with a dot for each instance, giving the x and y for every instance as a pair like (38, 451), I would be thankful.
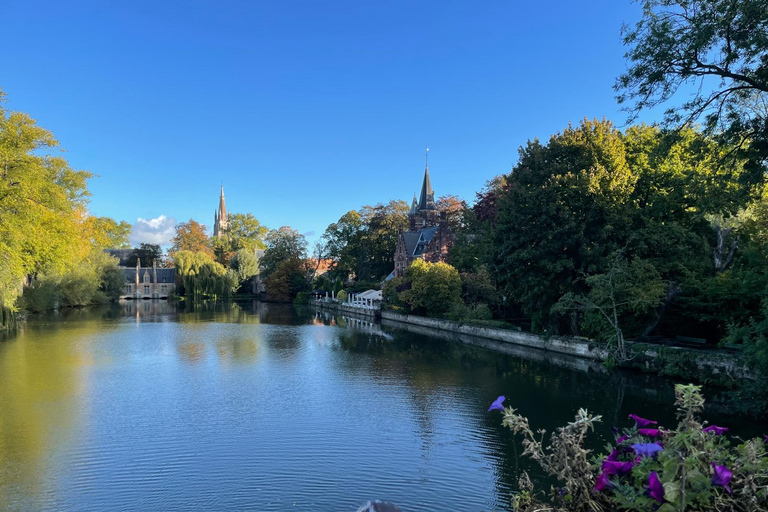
(40, 387)
(237, 350)
(547, 394)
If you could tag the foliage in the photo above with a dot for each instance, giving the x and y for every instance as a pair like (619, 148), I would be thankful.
(95, 280)
(715, 51)
(341, 296)
(287, 280)
(461, 312)
(45, 228)
(627, 291)
(690, 468)
(190, 236)
(244, 232)
(362, 243)
(301, 298)
(453, 208)
(201, 277)
(282, 245)
(434, 288)
(244, 266)
(107, 233)
(147, 255)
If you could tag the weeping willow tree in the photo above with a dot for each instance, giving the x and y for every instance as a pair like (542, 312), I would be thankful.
(202, 277)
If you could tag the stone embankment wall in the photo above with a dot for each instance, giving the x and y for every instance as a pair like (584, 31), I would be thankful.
(648, 357)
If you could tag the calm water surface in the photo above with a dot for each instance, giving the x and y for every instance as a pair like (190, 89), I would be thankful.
(260, 407)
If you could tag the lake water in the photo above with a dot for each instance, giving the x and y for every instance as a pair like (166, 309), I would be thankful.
(262, 407)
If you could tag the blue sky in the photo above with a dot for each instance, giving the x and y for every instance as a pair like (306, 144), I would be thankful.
(303, 110)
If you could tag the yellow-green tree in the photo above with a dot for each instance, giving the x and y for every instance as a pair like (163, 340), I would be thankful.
(42, 206)
(434, 287)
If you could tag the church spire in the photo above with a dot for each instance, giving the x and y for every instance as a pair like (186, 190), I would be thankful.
(414, 205)
(222, 206)
(427, 197)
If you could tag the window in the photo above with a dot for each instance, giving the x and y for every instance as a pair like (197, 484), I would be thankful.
(146, 277)
(146, 289)
(163, 288)
(127, 290)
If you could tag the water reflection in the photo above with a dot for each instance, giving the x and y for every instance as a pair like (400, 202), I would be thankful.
(260, 406)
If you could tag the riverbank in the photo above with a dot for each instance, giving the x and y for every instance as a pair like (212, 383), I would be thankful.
(714, 367)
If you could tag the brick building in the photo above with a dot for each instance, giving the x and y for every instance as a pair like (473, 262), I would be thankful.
(428, 236)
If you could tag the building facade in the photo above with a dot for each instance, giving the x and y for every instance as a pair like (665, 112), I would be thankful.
(148, 282)
(429, 236)
(220, 218)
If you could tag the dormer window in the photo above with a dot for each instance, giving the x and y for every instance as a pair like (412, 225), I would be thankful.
(146, 277)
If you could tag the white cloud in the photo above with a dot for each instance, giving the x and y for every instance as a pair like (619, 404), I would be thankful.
(153, 231)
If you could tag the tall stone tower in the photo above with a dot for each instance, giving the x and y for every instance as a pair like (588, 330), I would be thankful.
(220, 219)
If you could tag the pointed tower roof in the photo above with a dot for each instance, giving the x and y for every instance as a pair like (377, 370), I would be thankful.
(427, 197)
(222, 205)
(414, 205)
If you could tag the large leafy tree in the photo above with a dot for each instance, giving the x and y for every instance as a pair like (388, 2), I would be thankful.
(714, 51)
(191, 236)
(42, 206)
(342, 244)
(564, 203)
(244, 232)
(383, 223)
(283, 244)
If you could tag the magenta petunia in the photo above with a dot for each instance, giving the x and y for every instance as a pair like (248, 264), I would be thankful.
(717, 430)
(603, 482)
(622, 439)
(613, 467)
(641, 422)
(496, 405)
(722, 477)
(650, 432)
(655, 487)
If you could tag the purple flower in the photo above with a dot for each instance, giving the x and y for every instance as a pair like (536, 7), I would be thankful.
(650, 432)
(641, 422)
(655, 487)
(722, 477)
(647, 449)
(612, 467)
(717, 430)
(622, 439)
(614, 455)
(603, 483)
(496, 405)
(765, 438)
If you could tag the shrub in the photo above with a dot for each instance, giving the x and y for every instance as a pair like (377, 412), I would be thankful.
(341, 296)
(301, 298)
(649, 468)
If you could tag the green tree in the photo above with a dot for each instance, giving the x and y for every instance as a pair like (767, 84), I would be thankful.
(716, 52)
(289, 278)
(244, 266)
(282, 245)
(558, 218)
(434, 287)
(42, 206)
(244, 232)
(107, 233)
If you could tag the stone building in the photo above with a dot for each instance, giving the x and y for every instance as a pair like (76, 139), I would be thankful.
(148, 282)
(428, 236)
(220, 218)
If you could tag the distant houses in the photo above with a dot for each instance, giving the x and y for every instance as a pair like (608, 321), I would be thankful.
(144, 282)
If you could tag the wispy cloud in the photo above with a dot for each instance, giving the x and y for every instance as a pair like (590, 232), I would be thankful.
(153, 231)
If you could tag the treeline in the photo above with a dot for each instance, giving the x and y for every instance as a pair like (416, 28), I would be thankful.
(51, 248)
